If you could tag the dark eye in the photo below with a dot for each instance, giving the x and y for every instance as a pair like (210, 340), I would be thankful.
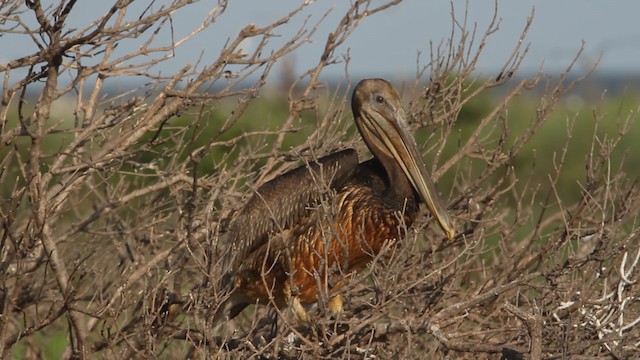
(379, 99)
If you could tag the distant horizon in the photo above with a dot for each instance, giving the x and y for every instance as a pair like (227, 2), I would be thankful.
(592, 87)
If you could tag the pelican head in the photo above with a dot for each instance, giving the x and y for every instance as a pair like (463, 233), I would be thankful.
(380, 118)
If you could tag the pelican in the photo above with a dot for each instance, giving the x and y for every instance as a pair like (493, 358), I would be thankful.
(283, 249)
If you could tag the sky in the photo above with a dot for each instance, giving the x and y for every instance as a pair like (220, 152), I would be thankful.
(388, 44)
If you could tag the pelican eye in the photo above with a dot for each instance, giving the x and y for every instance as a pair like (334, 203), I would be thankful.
(379, 99)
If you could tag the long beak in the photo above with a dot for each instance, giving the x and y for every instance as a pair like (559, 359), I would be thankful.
(404, 150)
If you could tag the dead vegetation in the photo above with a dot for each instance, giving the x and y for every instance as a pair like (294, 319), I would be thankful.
(114, 215)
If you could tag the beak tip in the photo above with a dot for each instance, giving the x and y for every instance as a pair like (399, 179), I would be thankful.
(451, 234)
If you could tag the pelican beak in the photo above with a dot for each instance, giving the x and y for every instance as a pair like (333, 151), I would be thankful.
(397, 142)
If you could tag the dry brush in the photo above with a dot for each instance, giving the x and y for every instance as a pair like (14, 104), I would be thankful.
(114, 212)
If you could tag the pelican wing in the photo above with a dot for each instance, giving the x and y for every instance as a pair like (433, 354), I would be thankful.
(284, 201)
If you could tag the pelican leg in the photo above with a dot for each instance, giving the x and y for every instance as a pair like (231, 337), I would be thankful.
(298, 310)
(295, 304)
(336, 302)
(335, 305)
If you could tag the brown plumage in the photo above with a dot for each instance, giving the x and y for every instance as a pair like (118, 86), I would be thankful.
(283, 246)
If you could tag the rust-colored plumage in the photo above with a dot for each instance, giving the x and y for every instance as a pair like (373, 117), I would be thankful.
(284, 247)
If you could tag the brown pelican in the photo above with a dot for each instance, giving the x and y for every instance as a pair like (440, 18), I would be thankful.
(283, 249)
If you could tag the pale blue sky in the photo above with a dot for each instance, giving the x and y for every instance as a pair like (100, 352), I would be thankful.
(387, 44)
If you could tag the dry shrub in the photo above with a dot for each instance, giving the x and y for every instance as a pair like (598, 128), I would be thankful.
(114, 214)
